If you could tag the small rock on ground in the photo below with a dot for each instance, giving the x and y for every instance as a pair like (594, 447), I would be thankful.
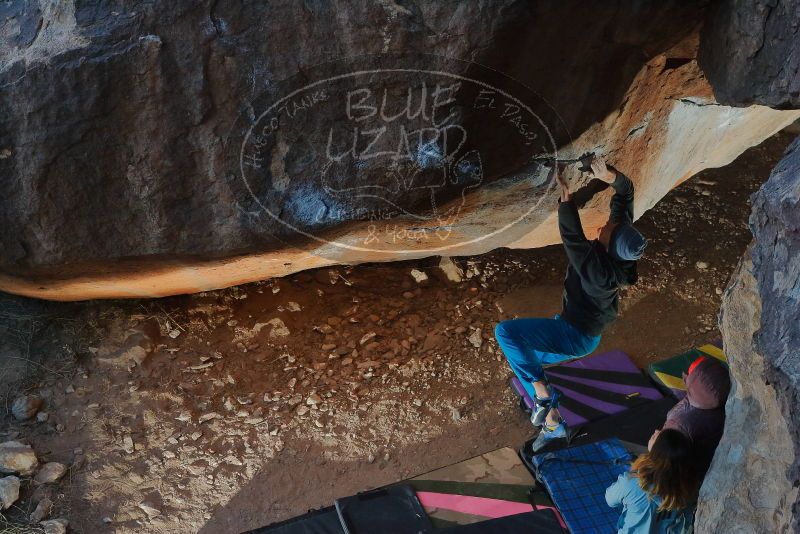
(55, 526)
(278, 328)
(42, 510)
(16, 457)
(452, 271)
(418, 275)
(50, 472)
(476, 338)
(25, 407)
(150, 510)
(9, 491)
(127, 444)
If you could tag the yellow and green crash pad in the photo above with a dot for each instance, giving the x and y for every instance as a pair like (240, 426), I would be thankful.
(668, 374)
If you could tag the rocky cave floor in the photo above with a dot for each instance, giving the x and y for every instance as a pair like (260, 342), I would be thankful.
(231, 409)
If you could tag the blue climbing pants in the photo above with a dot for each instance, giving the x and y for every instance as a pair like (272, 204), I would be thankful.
(530, 343)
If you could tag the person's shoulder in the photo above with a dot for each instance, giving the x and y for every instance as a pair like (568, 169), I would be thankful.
(680, 417)
(628, 482)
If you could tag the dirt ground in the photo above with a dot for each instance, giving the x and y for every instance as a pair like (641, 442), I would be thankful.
(228, 410)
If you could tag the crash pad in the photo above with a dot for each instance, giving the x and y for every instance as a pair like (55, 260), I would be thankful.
(324, 521)
(539, 522)
(393, 509)
(596, 386)
(668, 374)
(632, 427)
(577, 478)
(493, 485)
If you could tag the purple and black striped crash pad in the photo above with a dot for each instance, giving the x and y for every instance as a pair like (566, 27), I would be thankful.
(596, 386)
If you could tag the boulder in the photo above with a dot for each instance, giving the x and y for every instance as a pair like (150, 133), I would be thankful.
(751, 486)
(750, 49)
(171, 148)
(16, 457)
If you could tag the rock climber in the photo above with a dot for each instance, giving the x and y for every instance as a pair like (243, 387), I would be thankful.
(596, 272)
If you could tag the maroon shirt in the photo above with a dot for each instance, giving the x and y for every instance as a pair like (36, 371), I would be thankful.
(701, 414)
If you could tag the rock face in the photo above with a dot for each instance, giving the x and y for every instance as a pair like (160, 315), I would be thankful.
(752, 486)
(165, 148)
(750, 50)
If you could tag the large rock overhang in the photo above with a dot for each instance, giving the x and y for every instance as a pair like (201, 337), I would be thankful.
(139, 160)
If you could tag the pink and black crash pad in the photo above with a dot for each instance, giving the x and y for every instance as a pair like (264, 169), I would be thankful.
(668, 374)
(393, 509)
(577, 478)
(540, 522)
(490, 486)
(324, 521)
(595, 387)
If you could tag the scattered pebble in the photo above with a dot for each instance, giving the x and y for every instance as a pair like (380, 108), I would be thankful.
(476, 338)
(151, 511)
(208, 417)
(278, 329)
(418, 276)
(452, 271)
(367, 337)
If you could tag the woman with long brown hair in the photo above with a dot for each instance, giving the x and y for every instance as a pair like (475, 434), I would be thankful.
(659, 493)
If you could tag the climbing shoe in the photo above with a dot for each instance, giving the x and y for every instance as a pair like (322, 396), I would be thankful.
(543, 406)
(548, 434)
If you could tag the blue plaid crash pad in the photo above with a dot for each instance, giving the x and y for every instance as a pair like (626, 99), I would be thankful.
(577, 478)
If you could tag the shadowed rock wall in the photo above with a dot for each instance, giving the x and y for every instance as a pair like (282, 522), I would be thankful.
(752, 485)
(139, 156)
(750, 50)
(751, 54)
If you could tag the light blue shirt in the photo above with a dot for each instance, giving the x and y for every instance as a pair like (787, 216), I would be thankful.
(640, 513)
